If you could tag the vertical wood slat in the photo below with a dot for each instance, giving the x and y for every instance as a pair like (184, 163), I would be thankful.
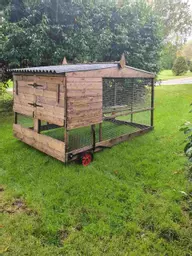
(16, 87)
(37, 125)
(58, 93)
(15, 118)
(152, 102)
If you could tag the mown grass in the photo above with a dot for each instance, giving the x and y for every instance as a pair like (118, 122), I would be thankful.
(168, 74)
(134, 199)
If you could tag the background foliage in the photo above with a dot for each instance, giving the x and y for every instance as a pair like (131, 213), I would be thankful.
(190, 67)
(43, 32)
(168, 55)
(187, 51)
(180, 66)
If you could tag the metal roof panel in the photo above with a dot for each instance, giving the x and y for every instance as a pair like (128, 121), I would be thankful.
(65, 68)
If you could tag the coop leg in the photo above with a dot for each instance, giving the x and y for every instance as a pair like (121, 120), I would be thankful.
(93, 136)
(152, 102)
(100, 132)
(132, 103)
(15, 118)
(66, 140)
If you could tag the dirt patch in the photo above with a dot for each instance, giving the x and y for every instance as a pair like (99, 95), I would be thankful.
(169, 234)
(1, 189)
(63, 235)
(16, 206)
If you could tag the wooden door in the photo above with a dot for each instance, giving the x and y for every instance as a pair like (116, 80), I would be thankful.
(41, 97)
(50, 99)
(24, 95)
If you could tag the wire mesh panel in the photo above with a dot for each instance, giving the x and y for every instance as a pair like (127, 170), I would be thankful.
(143, 118)
(56, 133)
(25, 121)
(112, 129)
(126, 94)
(126, 106)
(80, 137)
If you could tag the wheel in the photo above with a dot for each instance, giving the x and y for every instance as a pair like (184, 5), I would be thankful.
(86, 158)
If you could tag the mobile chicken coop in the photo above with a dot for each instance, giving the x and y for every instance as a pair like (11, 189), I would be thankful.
(71, 111)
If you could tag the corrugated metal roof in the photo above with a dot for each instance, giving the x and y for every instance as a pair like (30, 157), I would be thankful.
(61, 69)
(65, 68)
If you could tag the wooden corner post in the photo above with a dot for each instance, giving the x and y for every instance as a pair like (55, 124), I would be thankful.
(66, 133)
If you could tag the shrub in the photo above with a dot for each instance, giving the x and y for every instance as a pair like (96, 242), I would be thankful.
(6, 103)
(190, 66)
(180, 66)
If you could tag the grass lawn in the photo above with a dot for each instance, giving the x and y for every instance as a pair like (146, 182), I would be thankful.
(134, 199)
(167, 74)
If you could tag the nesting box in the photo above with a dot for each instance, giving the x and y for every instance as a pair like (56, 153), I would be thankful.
(71, 111)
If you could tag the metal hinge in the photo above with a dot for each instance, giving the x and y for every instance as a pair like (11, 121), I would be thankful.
(35, 105)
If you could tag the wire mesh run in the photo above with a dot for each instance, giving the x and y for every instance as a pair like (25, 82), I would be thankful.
(124, 105)
(126, 94)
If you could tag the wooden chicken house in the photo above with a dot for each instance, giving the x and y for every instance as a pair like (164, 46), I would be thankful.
(71, 111)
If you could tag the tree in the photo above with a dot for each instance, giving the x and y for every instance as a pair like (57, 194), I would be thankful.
(176, 18)
(16, 10)
(83, 31)
(168, 56)
(187, 51)
(190, 66)
(180, 66)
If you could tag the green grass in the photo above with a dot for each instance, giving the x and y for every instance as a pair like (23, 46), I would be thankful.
(168, 74)
(129, 201)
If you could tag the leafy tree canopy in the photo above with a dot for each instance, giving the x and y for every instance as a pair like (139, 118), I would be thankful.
(190, 67)
(187, 51)
(176, 18)
(44, 31)
(168, 56)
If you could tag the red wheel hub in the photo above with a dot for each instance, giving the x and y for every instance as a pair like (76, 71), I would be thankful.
(86, 159)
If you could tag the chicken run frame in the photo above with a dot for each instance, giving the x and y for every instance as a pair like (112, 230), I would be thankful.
(71, 111)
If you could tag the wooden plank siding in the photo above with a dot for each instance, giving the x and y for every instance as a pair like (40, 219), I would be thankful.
(48, 145)
(45, 95)
(84, 101)
(93, 75)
